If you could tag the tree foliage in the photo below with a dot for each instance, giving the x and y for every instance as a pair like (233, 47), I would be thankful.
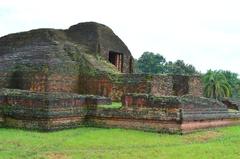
(150, 62)
(216, 85)
(179, 67)
(234, 82)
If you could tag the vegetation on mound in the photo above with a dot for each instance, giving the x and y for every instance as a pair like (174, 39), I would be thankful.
(114, 105)
(216, 85)
(95, 143)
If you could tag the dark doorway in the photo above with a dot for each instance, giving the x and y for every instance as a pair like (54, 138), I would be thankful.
(116, 59)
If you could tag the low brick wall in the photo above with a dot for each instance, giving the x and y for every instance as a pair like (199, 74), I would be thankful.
(46, 111)
(150, 101)
(191, 126)
(155, 120)
(115, 86)
(108, 85)
(192, 112)
(54, 111)
(157, 85)
(137, 124)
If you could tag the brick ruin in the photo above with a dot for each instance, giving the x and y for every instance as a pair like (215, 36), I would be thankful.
(55, 79)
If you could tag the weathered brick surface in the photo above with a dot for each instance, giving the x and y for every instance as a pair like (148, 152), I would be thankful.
(51, 65)
(188, 104)
(162, 85)
(45, 110)
(138, 114)
(62, 83)
(145, 125)
(167, 104)
(44, 124)
(187, 109)
(231, 103)
(157, 85)
(54, 111)
(195, 86)
(50, 111)
(191, 126)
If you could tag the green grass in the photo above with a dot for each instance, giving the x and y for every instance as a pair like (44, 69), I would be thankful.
(114, 105)
(97, 143)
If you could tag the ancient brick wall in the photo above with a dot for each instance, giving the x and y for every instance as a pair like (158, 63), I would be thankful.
(195, 86)
(162, 85)
(63, 83)
(67, 78)
(168, 104)
(50, 111)
(158, 85)
(201, 105)
(54, 111)
(199, 113)
(95, 85)
(188, 103)
(190, 108)
(131, 83)
(45, 111)
(183, 85)
(115, 87)
(24, 80)
(155, 121)
(191, 112)
(40, 82)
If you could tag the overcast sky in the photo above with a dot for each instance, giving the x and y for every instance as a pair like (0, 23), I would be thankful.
(205, 33)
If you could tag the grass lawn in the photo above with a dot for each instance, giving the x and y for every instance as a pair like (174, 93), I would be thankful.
(114, 105)
(91, 143)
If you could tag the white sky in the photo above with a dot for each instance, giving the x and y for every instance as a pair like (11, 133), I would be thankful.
(205, 33)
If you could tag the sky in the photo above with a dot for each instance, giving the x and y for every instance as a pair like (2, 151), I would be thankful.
(204, 33)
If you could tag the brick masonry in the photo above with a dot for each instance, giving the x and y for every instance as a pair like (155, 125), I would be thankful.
(47, 69)
(45, 111)
(104, 85)
(158, 85)
(55, 111)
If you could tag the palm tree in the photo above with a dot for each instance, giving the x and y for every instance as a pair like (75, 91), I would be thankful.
(216, 85)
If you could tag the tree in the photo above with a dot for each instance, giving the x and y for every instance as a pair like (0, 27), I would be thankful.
(179, 67)
(234, 82)
(216, 85)
(156, 64)
(151, 63)
(136, 68)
